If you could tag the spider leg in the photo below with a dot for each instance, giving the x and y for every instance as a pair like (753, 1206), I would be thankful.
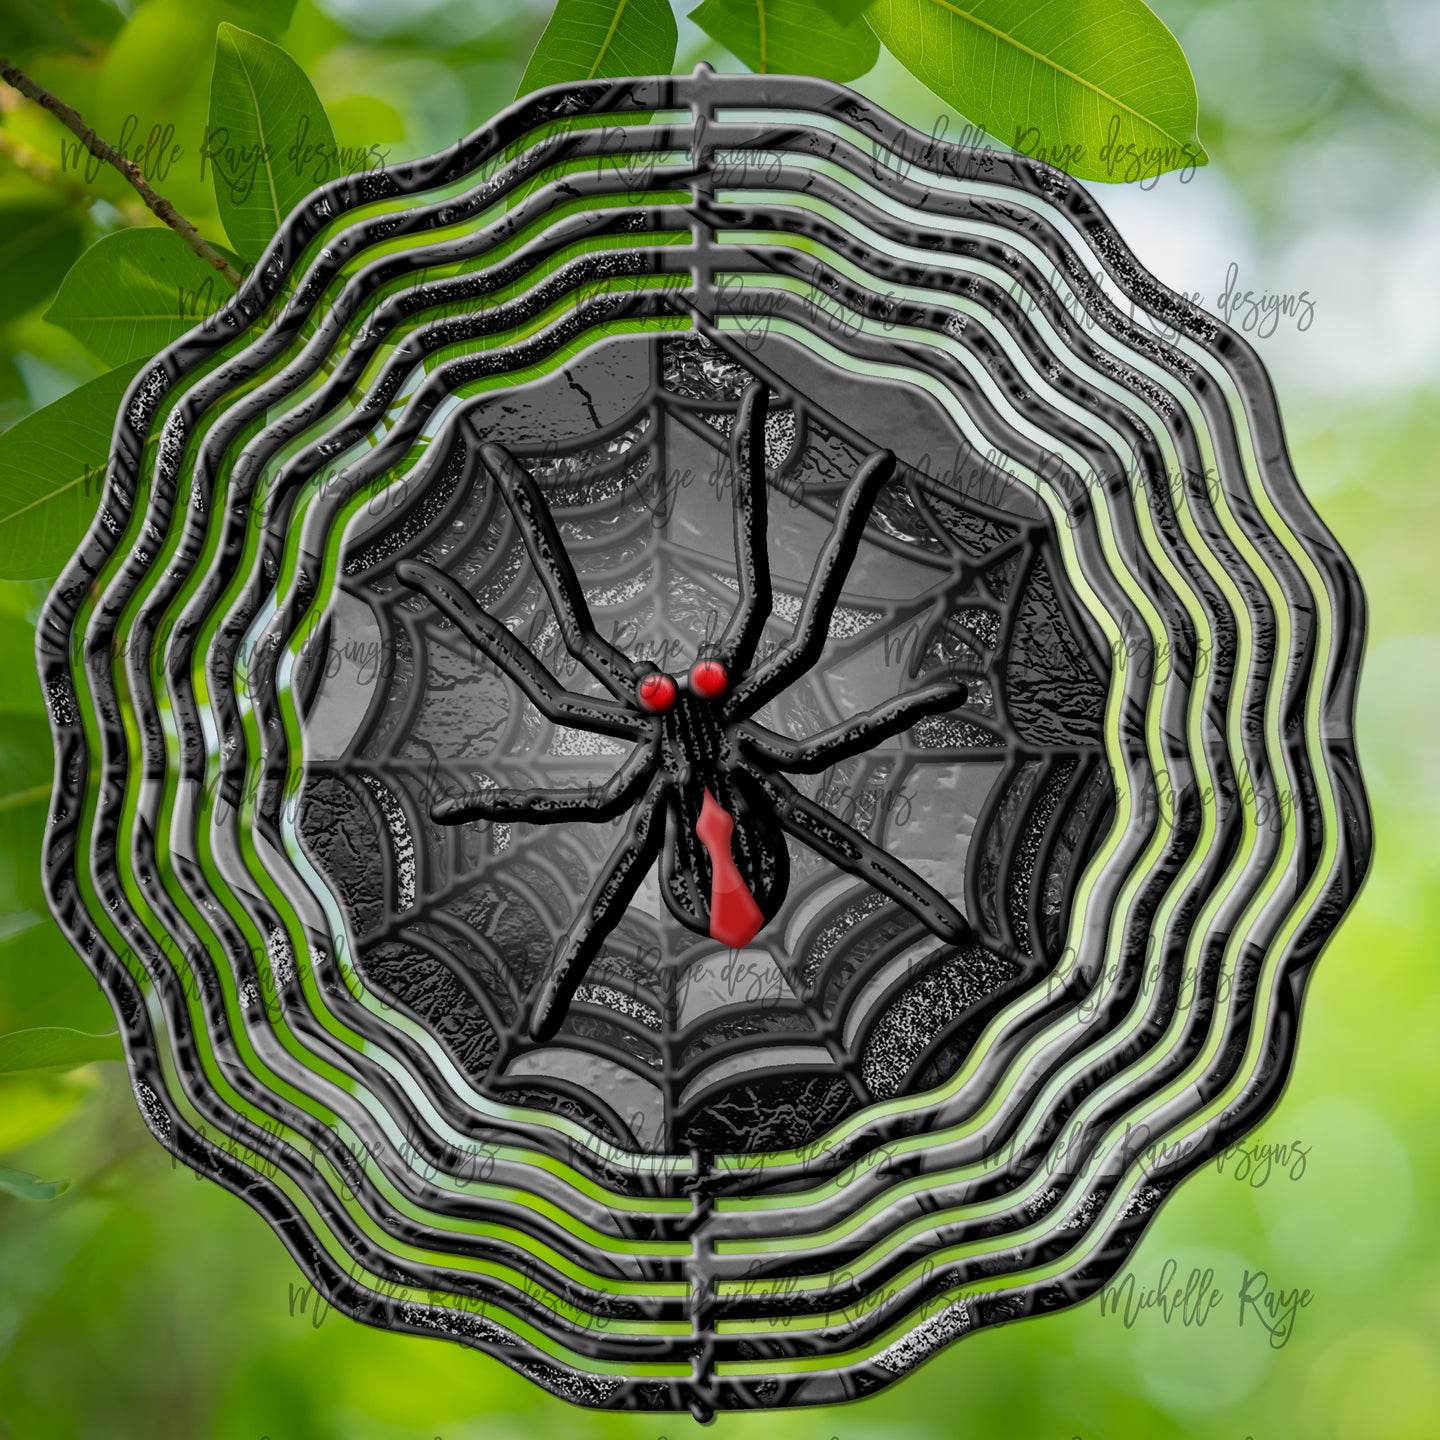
(837, 555)
(828, 835)
(600, 912)
(544, 807)
(850, 737)
(616, 672)
(752, 556)
(546, 693)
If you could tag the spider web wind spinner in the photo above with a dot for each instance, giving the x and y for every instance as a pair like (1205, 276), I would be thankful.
(704, 743)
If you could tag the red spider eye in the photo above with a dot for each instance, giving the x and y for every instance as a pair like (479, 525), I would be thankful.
(709, 679)
(656, 693)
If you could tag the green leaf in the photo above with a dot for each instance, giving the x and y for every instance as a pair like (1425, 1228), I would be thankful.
(39, 240)
(27, 762)
(25, 759)
(43, 982)
(790, 37)
(25, 1186)
(1099, 88)
(845, 10)
(269, 141)
(52, 470)
(586, 39)
(49, 27)
(134, 292)
(21, 692)
(56, 1047)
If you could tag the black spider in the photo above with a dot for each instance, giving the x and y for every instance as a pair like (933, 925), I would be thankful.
(701, 765)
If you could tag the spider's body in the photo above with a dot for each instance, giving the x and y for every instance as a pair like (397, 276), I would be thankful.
(705, 782)
(702, 755)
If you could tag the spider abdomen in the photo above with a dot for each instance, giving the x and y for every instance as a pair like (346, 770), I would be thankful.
(756, 851)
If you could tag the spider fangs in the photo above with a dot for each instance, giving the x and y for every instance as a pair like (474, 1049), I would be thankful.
(705, 781)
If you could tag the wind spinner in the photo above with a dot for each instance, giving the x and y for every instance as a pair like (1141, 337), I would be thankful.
(704, 743)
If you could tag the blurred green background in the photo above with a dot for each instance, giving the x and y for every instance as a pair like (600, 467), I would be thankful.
(144, 1302)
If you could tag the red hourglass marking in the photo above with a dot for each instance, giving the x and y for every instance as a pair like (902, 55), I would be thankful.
(735, 918)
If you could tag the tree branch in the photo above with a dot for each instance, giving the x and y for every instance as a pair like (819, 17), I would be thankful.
(159, 206)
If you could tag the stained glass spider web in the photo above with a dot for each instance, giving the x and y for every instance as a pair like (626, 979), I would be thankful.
(675, 1043)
